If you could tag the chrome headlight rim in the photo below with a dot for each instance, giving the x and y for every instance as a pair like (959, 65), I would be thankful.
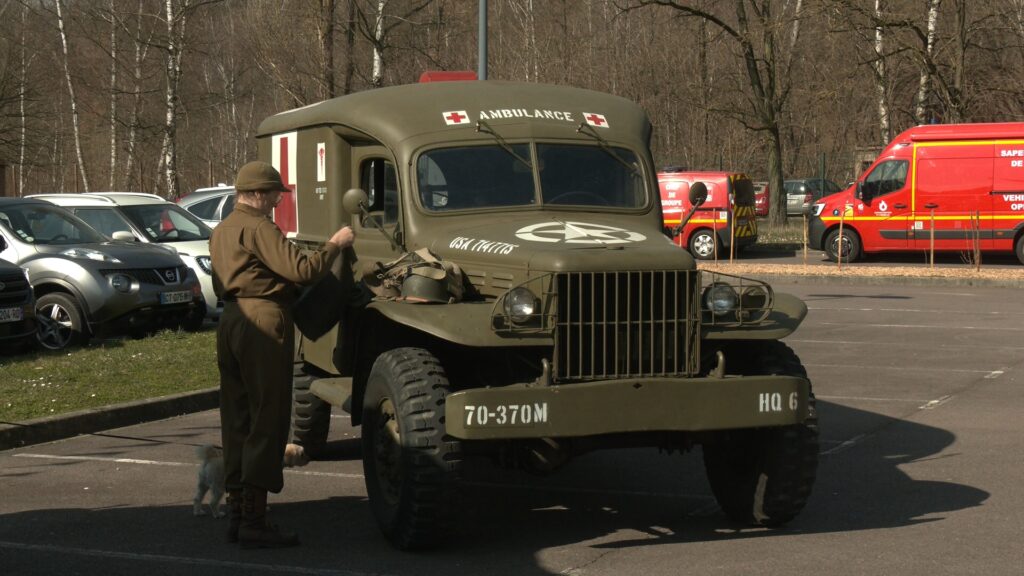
(521, 305)
(720, 299)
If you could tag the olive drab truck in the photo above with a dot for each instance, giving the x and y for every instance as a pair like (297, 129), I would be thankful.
(579, 324)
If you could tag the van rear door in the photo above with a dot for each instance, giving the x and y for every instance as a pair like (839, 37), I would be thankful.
(954, 180)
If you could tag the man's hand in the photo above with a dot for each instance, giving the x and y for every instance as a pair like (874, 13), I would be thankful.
(343, 237)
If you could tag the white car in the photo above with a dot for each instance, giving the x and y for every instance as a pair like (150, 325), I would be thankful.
(148, 218)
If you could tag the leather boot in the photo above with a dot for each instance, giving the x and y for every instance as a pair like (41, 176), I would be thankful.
(255, 531)
(234, 502)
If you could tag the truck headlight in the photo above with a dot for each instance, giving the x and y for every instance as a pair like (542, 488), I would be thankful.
(204, 264)
(521, 305)
(720, 298)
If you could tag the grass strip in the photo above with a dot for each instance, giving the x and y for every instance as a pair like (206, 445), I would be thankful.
(45, 383)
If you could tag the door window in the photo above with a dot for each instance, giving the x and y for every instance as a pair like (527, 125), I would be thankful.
(379, 179)
(889, 176)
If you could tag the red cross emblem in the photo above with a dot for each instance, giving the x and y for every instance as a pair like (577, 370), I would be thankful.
(595, 119)
(455, 117)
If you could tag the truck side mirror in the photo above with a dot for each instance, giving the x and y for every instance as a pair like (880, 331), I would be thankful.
(355, 201)
(698, 194)
(859, 193)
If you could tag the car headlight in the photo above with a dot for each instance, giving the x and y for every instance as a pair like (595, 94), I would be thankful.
(89, 254)
(204, 264)
(817, 208)
(720, 299)
(121, 282)
(521, 305)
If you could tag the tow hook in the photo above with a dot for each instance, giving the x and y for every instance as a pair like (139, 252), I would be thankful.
(719, 371)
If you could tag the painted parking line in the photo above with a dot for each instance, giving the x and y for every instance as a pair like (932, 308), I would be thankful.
(163, 463)
(876, 343)
(868, 399)
(922, 326)
(859, 367)
(177, 560)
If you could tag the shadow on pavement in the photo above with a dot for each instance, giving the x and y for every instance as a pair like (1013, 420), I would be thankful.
(513, 523)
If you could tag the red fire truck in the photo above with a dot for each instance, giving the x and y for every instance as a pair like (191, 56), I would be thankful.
(727, 219)
(955, 186)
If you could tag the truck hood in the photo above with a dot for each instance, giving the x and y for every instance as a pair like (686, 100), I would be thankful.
(561, 243)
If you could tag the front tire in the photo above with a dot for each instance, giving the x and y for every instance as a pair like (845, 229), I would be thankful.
(61, 323)
(311, 416)
(849, 248)
(764, 476)
(703, 244)
(1019, 248)
(411, 467)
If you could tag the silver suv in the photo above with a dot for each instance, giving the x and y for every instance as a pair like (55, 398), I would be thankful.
(86, 284)
(148, 218)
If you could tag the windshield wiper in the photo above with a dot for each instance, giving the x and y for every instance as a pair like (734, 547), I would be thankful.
(482, 126)
(604, 146)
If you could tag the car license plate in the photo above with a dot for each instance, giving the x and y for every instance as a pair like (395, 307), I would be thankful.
(175, 297)
(10, 314)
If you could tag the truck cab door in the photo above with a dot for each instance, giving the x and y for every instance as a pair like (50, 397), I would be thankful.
(378, 176)
(882, 215)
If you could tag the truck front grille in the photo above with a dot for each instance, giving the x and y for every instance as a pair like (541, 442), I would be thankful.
(626, 324)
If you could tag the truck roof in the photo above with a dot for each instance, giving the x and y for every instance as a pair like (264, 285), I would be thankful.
(417, 114)
(980, 131)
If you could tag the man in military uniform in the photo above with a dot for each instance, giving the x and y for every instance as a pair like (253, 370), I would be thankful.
(256, 271)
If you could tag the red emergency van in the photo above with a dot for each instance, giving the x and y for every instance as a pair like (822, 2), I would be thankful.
(726, 219)
(953, 184)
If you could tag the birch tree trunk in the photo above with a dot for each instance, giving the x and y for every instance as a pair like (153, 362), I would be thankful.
(22, 88)
(881, 80)
(71, 94)
(113, 97)
(350, 42)
(378, 45)
(141, 49)
(176, 20)
(327, 46)
(924, 85)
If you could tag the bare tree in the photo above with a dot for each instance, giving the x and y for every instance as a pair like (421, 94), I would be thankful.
(113, 96)
(924, 86)
(71, 94)
(767, 71)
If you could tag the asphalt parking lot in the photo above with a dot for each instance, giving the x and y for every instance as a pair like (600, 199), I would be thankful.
(920, 396)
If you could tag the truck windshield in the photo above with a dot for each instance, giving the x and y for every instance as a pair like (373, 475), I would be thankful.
(492, 176)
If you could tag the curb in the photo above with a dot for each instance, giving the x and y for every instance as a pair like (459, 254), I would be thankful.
(39, 430)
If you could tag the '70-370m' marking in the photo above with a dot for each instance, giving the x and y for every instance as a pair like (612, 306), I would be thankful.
(507, 414)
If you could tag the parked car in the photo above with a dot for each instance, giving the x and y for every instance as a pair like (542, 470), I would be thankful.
(762, 199)
(802, 193)
(211, 205)
(17, 308)
(148, 218)
(85, 284)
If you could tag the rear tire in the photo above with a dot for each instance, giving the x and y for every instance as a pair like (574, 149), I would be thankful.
(703, 244)
(61, 323)
(311, 416)
(1019, 248)
(764, 476)
(850, 248)
(411, 467)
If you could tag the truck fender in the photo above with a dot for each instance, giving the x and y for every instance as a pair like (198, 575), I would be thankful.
(459, 323)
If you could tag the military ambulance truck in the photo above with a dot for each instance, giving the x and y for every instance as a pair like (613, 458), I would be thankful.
(579, 324)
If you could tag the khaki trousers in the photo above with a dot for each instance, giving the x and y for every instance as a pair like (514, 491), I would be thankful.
(255, 347)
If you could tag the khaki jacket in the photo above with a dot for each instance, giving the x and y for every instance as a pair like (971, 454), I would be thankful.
(252, 259)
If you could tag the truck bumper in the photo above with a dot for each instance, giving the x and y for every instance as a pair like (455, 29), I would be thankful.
(631, 405)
